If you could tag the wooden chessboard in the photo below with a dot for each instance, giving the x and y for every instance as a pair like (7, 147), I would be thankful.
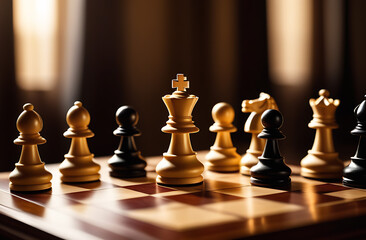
(226, 206)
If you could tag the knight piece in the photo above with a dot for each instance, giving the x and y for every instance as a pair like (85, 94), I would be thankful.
(253, 125)
(30, 173)
(322, 161)
(354, 175)
(180, 165)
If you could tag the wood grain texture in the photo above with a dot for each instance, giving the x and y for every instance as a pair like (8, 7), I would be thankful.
(224, 206)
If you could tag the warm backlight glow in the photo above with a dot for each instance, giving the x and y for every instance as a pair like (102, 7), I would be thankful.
(289, 40)
(35, 33)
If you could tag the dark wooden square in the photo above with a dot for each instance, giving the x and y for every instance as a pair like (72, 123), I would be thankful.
(304, 199)
(203, 197)
(149, 188)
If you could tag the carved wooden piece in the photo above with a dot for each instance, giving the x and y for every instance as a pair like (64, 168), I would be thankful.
(127, 161)
(223, 156)
(253, 125)
(354, 175)
(322, 161)
(30, 173)
(180, 165)
(78, 165)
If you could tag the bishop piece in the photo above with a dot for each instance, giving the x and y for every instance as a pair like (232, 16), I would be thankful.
(180, 165)
(354, 175)
(78, 165)
(127, 161)
(271, 171)
(30, 173)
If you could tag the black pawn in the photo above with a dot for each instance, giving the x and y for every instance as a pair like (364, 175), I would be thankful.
(127, 161)
(271, 171)
(354, 175)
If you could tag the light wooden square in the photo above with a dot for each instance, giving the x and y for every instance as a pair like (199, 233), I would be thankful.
(249, 191)
(235, 178)
(111, 194)
(178, 216)
(348, 194)
(174, 193)
(59, 189)
(252, 207)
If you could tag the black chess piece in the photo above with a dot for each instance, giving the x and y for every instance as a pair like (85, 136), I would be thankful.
(127, 161)
(271, 171)
(354, 175)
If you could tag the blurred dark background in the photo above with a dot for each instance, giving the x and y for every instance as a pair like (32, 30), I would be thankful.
(112, 53)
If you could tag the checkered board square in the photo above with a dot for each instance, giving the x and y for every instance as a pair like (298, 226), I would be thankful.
(224, 206)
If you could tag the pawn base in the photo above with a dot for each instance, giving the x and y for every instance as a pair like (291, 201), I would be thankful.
(354, 175)
(30, 178)
(76, 169)
(353, 183)
(30, 188)
(272, 183)
(179, 181)
(125, 165)
(223, 160)
(127, 173)
(249, 160)
(270, 172)
(80, 179)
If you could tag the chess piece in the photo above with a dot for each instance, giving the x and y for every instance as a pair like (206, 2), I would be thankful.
(30, 173)
(253, 125)
(78, 165)
(127, 161)
(354, 175)
(322, 161)
(271, 171)
(180, 165)
(223, 156)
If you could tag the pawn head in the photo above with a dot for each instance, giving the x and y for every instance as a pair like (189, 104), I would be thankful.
(78, 117)
(126, 116)
(29, 121)
(223, 113)
(272, 118)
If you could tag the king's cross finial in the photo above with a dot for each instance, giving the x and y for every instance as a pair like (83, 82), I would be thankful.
(180, 83)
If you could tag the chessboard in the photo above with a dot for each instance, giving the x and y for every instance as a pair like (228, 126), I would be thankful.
(225, 206)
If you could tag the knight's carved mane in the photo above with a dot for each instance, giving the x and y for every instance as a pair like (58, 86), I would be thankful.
(253, 123)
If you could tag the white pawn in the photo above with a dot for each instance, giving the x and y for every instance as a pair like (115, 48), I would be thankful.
(29, 173)
(223, 156)
(78, 165)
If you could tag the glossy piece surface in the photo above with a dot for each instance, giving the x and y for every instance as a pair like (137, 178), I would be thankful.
(180, 165)
(223, 156)
(127, 161)
(30, 173)
(253, 125)
(78, 165)
(271, 170)
(322, 161)
(354, 174)
(225, 206)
